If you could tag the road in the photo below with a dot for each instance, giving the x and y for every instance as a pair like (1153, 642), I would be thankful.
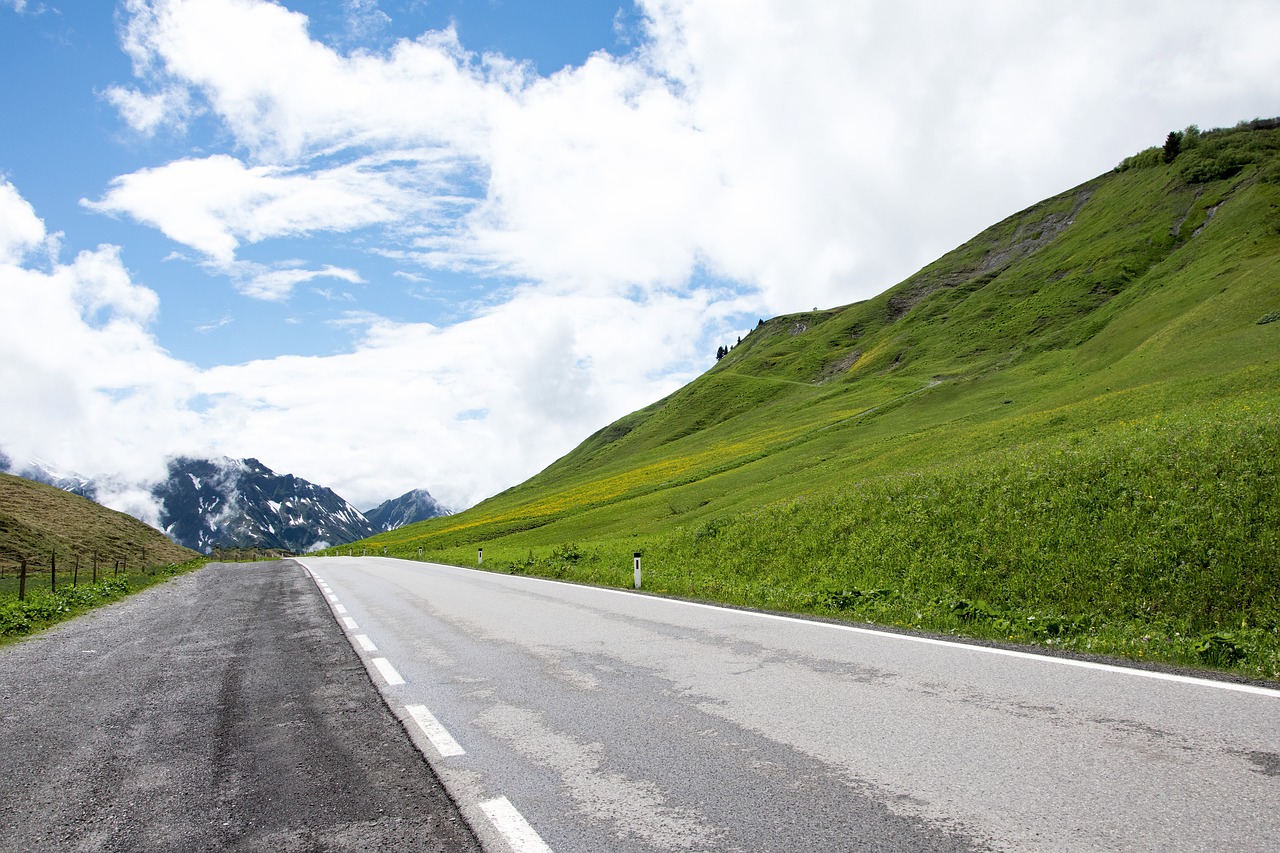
(582, 720)
(221, 710)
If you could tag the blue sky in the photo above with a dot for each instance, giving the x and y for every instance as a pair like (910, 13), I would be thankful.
(388, 245)
(77, 143)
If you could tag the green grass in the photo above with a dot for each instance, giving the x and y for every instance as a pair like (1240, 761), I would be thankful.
(41, 525)
(37, 521)
(43, 607)
(1063, 432)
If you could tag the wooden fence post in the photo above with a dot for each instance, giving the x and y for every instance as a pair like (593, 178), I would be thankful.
(22, 581)
(53, 572)
(95, 566)
(75, 573)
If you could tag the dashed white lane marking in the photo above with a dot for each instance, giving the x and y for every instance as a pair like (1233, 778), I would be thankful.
(505, 818)
(513, 827)
(436, 733)
(388, 671)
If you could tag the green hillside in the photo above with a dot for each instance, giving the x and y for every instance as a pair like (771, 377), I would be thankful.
(1065, 431)
(60, 536)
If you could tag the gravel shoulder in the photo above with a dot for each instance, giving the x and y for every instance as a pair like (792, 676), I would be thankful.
(218, 711)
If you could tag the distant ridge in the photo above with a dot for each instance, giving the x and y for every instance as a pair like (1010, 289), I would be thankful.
(409, 508)
(238, 503)
(209, 504)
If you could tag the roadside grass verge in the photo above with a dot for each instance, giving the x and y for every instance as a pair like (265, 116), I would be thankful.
(1155, 538)
(43, 608)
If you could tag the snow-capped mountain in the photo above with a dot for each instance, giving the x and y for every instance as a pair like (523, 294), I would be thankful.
(238, 503)
(414, 506)
(43, 472)
(230, 503)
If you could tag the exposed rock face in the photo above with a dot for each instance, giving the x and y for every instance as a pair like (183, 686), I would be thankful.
(241, 503)
(409, 508)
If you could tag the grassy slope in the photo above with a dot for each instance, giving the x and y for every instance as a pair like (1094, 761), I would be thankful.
(1072, 419)
(37, 521)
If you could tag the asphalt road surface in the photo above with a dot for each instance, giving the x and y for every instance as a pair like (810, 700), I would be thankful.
(583, 720)
(222, 710)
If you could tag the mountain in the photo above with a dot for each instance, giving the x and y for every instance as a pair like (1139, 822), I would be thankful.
(37, 520)
(409, 508)
(238, 503)
(43, 472)
(1065, 430)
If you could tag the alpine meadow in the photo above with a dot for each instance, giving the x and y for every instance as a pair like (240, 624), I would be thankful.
(1065, 432)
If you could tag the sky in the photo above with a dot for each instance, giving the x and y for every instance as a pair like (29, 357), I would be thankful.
(396, 244)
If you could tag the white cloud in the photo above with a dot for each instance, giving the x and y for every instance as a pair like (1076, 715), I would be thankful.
(213, 325)
(545, 371)
(275, 285)
(84, 382)
(817, 151)
(286, 96)
(364, 20)
(103, 397)
(21, 231)
(147, 113)
(215, 203)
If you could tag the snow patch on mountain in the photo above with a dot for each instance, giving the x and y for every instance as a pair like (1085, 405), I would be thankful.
(207, 504)
(409, 508)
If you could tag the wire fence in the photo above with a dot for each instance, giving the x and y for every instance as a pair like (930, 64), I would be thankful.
(51, 571)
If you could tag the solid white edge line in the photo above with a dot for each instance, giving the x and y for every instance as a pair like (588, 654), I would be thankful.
(436, 733)
(387, 671)
(365, 642)
(1013, 653)
(349, 623)
(512, 826)
(910, 638)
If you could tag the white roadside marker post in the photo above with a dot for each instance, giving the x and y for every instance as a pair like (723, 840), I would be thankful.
(479, 556)
(637, 558)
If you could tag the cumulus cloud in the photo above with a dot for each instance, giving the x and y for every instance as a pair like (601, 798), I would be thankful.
(21, 230)
(815, 152)
(215, 203)
(84, 381)
(465, 410)
(147, 113)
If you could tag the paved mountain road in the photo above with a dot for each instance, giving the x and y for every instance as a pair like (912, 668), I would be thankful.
(221, 710)
(628, 723)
